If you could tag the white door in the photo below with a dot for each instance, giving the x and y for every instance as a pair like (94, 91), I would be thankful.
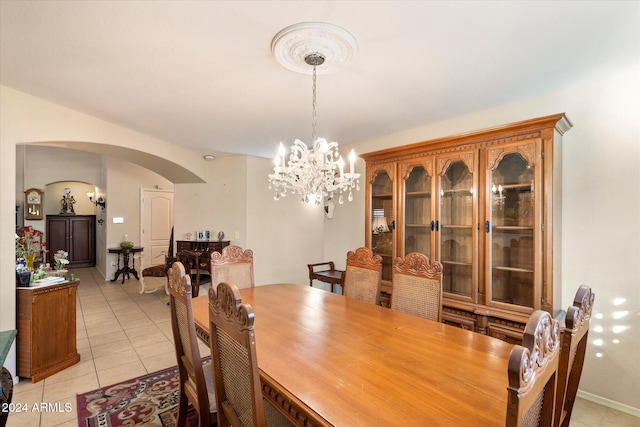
(157, 220)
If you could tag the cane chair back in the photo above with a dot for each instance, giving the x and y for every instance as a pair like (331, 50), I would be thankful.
(196, 382)
(417, 286)
(362, 276)
(234, 362)
(233, 265)
(532, 372)
(572, 352)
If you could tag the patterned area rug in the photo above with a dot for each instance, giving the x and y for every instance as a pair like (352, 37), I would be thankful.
(150, 400)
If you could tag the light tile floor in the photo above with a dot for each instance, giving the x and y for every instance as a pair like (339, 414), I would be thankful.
(122, 334)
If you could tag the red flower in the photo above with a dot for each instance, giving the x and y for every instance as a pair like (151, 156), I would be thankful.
(30, 243)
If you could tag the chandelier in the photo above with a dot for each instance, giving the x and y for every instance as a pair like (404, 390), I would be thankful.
(315, 172)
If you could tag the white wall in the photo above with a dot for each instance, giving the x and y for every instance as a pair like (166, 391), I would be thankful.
(218, 205)
(600, 216)
(285, 235)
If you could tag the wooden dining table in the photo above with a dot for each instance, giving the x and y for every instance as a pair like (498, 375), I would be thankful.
(326, 359)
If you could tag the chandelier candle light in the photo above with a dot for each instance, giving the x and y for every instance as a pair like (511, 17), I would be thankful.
(317, 172)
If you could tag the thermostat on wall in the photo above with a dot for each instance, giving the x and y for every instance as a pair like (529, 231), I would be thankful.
(118, 220)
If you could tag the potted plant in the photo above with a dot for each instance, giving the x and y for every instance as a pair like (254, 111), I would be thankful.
(61, 258)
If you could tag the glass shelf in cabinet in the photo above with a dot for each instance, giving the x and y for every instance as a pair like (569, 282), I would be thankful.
(455, 262)
(515, 269)
(382, 195)
(455, 226)
(418, 194)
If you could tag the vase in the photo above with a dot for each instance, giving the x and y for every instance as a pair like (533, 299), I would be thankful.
(29, 259)
(60, 273)
(23, 276)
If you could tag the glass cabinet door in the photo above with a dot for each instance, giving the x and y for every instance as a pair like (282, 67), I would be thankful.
(457, 215)
(511, 214)
(383, 219)
(417, 222)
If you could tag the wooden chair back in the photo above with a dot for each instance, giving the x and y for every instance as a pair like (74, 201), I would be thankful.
(193, 378)
(196, 263)
(532, 373)
(233, 265)
(417, 286)
(362, 275)
(235, 365)
(572, 352)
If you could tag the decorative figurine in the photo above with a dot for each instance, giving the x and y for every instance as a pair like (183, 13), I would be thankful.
(67, 203)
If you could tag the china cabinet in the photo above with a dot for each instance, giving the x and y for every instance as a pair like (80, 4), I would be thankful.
(487, 206)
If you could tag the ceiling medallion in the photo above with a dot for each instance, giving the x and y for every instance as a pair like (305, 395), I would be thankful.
(294, 44)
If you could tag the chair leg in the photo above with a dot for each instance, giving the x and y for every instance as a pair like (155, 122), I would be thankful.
(181, 416)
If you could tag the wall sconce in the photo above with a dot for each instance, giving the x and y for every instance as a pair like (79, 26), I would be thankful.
(100, 202)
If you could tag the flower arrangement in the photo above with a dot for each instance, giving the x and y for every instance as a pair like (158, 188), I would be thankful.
(30, 243)
(61, 259)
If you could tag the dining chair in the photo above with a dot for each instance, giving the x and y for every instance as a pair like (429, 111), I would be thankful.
(232, 265)
(235, 366)
(532, 373)
(160, 270)
(196, 382)
(197, 263)
(572, 351)
(417, 286)
(362, 276)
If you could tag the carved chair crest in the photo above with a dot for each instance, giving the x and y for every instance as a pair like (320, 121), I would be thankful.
(179, 281)
(418, 264)
(226, 300)
(364, 257)
(231, 254)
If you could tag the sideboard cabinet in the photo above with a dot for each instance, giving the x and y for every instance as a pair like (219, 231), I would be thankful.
(46, 329)
(197, 245)
(487, 206)
(74, 234)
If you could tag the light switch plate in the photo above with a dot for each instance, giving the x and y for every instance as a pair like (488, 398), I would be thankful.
(118, 220)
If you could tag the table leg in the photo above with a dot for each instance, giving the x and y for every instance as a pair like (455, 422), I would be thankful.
(118, 272)
(133, 269)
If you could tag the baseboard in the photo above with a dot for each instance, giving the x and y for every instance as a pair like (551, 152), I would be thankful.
(609, 403)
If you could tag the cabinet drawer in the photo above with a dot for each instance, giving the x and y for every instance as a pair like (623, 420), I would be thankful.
(510, 334)
(464, 322)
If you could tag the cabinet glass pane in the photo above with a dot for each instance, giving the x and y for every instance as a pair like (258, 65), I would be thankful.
(382, 217)
(456, 216)
(512, 212)
(417, 220)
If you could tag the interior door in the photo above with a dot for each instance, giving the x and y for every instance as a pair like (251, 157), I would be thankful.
(157, 221)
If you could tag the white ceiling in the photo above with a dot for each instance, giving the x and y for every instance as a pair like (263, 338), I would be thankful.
(201, 73)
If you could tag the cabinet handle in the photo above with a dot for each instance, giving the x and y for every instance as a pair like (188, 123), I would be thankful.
(393, 224)
(433, 225)
(487, 226)
(437, 225)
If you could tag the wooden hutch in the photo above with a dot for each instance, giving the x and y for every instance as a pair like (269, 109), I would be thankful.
(487, 206)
